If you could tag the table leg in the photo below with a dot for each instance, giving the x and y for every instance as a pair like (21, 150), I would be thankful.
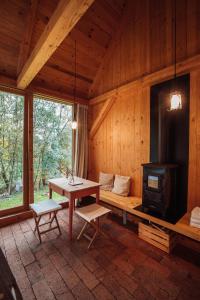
(97, 195)
(71, 211)
(50, 192)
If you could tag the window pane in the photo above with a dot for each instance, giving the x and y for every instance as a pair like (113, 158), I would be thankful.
(11, 150)
(52, 144)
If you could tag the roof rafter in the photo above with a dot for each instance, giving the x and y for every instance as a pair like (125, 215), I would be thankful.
(102, 115)
(69, 73)
(25, 45)
(65, 17)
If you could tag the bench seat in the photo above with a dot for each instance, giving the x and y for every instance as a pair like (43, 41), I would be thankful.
(120, 201)
(123, 203)
(128, 204)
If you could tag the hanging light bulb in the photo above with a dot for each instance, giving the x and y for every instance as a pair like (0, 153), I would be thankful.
(175, 101)
(74, 124)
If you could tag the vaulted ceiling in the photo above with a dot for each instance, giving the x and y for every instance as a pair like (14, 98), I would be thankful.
(22, 22)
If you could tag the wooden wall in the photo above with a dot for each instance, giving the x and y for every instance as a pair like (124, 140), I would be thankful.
(122, 142)
(143, 55)
(194, 141)
(147, 44)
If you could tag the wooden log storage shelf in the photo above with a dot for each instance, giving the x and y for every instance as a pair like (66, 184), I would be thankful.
(157, 236)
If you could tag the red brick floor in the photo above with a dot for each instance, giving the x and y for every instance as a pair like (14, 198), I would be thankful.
(126, 268)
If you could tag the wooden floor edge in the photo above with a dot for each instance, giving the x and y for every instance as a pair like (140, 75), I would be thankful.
(15, 218)
(21, 216)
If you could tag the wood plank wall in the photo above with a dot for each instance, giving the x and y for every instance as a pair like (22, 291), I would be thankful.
(147, 44)
(122, 143)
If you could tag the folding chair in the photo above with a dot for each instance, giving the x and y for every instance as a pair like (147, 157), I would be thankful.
(91, 214)
(43, 208)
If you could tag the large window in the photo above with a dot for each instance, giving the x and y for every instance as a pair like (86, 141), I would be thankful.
(52, 148)
(11, 150)
(52, 144)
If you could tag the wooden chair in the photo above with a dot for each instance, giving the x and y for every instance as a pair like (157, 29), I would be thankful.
(41, 209)
(91, 214)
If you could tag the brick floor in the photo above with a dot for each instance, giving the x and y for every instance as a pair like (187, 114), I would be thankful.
(126, 268)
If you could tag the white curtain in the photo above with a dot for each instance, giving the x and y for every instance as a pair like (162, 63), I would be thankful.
(81, 145)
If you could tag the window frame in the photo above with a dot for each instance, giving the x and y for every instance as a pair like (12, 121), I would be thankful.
(28, 188)
(21, 208)
(31, 173)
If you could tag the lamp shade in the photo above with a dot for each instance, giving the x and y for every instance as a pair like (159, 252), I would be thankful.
(74, 124)
(175, 101)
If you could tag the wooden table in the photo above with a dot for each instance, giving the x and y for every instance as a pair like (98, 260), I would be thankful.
(61, 186)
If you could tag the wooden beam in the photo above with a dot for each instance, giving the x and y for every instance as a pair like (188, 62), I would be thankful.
(112, 45)
(7, 81)
(65, 17)
(8, 84)
(69, 73)
(182, 67)
(122, 88)
(103, 113)
(56, 94)
(25, 45)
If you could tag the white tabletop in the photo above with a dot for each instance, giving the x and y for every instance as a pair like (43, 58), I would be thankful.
(63, 184)
(45, 206)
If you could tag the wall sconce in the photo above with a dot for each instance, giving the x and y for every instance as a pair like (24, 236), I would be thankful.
(175, 101)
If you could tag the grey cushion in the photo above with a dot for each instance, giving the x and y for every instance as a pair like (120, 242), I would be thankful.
(121, 185)
(106, 181)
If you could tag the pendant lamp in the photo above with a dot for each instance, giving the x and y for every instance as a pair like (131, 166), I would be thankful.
(74, 121)
(175, 95)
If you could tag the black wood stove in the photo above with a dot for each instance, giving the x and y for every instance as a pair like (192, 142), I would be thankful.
(165, 179)
(159, 195)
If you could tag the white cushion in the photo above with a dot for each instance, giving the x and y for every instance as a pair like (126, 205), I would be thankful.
(45, 206)
(195, 213)
(121, 185)
(92, 211)
(106, 181)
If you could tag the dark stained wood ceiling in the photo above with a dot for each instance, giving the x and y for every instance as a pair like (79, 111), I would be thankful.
(93, 33)
(12, 24)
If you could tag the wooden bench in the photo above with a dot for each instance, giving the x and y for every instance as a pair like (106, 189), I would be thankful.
(128, 204)
(120, 202)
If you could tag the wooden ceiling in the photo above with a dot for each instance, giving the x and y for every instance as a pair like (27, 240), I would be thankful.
(22, 22)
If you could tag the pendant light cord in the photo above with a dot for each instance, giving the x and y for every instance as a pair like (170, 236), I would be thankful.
(120, 61)
(120, 58)
(74, 71)
(174, 38)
